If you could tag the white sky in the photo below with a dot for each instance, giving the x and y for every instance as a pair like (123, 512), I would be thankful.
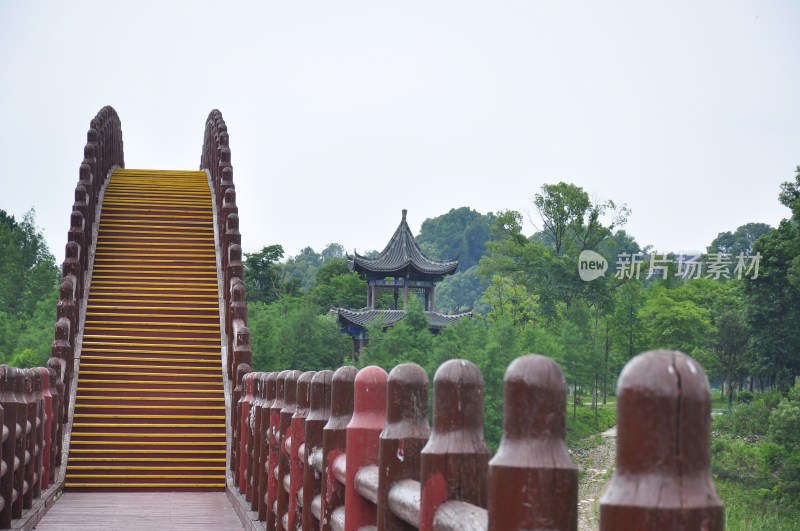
(343, 113)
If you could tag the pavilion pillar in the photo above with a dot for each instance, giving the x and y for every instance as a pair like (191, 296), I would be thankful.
(431, 299)
(405, 294)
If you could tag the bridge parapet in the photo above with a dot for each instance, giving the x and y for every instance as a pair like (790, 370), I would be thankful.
(102, 153)
(34, 403)
(216, 160)
(353, 450)
(30, 402)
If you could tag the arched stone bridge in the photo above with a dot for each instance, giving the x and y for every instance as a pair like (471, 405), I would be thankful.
(149, 415)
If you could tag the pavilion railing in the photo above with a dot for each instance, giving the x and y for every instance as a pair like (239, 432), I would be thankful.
(352, 449)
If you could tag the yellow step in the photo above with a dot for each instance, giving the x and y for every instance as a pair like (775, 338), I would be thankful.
(154, 323)
(143, 476)
(149, 367)
(76, 485)
(214, 364)
(152, 435)
(144, 459)
(150, 425)
(155, 399)
(159, 375)
(131, 286)
(89, 468)
(149, 443)
(91, 451)
(179, 339)
(164, 313)
(186, 417)
(148, 351)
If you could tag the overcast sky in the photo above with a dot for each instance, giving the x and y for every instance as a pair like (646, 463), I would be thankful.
(343, 113)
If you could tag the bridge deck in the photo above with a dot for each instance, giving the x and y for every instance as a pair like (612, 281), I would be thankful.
(141, 510)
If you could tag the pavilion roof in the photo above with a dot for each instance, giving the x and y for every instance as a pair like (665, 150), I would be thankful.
(401, 253)
(361, 318)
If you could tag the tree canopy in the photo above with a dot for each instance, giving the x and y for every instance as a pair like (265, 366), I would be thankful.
(29, 280)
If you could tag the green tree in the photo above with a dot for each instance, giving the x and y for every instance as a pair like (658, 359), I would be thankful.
(676, 325)
(337, 286)
(28, 292)
(790, 197)
(461, 233)
(741, 241)
(332, 251)
(460, 292)
(570, 219)
(408, 341)
(773, 298)
(626, 328)
(501, 349)
(28, 271)
(290, 333)
(511, 302)
(262, 274)
(728, 350)
(25, 359)
(578, 354)
(531, 264)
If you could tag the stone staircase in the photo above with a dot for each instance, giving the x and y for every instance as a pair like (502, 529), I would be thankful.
(150, 407)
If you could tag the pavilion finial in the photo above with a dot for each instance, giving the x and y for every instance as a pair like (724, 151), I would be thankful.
(404, 214)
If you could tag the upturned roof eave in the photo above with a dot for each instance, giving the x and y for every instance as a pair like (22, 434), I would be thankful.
(401, 252)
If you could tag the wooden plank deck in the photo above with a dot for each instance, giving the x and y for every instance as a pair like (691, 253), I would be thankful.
(141, 510)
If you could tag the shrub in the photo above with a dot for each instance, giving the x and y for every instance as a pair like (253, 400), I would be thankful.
(744, 397)
(749, 419)
(784, 421)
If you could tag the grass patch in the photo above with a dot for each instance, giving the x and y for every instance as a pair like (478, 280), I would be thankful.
(718, 402)
(585, 427)
(747, 509)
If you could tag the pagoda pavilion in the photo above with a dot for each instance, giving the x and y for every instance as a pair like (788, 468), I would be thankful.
(404, 271)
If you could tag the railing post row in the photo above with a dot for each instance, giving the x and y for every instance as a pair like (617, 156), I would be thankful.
(31, 425)
(353, 450)
(103, 151)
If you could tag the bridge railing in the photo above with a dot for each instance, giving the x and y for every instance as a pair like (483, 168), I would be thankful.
(102, 153)
(353, 449)
(30, 402)
(216, 160)
(34, 403)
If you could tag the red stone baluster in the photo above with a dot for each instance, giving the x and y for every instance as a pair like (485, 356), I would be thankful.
(237, 432)
(334, 441)
(406, 432)
(363, 434)
(533, 483)
(8, 453)
(269, 382)
(319, 413)
(286, 413)
(298, 438)
(663, 474)
(274, 452)
(31, 415)
(454, 462)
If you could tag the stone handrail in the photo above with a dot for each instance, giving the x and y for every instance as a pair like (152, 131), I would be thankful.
(216, 160)
(353, 450)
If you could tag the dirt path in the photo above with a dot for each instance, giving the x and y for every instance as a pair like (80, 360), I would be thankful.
(597, 465)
